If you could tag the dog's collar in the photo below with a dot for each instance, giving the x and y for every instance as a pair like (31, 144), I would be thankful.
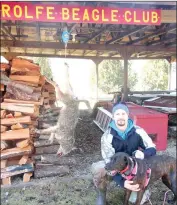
(124, 170)
(132, 173)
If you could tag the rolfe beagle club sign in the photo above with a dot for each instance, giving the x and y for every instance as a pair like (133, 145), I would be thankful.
(78, 14)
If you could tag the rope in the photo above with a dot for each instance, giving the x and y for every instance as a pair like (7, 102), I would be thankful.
(165, 196)
(164, 200)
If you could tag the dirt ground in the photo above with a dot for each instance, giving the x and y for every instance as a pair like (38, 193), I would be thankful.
(76, 188)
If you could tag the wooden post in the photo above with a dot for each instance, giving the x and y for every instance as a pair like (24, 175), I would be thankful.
(126, 54)
(125, 94)
(97, 62)
(169, 74)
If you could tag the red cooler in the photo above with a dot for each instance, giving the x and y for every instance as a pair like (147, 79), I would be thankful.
(153, 122)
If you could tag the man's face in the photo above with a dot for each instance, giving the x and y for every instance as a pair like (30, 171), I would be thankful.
(121, 118)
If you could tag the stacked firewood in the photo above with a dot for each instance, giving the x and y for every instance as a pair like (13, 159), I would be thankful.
(49, 95)
(4, 69)
(19, 113)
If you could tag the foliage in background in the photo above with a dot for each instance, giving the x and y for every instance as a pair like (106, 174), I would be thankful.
(111, 76)
(155, 75)
(44, 64)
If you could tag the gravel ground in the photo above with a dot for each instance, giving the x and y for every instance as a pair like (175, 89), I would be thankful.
(77, 187)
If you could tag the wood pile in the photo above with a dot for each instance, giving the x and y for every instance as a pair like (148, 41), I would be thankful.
(19, 112)
(5, 68)
(28, 102)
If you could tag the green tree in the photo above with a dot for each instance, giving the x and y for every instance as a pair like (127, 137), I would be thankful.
(44, 64)
(111, 76)
(155, 75)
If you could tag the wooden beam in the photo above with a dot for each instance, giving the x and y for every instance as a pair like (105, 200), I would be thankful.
(167, 39)
(3, 28)
(126, 34)
(38, 32)
(78, 46)
(96, 34)
(81, 57)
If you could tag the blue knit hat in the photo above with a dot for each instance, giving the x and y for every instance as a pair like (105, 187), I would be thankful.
(120, 106)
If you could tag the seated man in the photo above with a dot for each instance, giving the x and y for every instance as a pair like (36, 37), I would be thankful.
(121, 136)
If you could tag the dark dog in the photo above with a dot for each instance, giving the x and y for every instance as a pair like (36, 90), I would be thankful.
(144, 172)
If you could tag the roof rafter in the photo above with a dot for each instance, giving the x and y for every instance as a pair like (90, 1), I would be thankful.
(3, 28)
(96, 34)
(126, 34)
(156, 33)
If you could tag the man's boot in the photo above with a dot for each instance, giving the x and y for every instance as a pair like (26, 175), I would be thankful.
(101, 196)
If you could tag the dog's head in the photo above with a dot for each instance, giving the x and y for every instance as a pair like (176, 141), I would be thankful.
(119, 163)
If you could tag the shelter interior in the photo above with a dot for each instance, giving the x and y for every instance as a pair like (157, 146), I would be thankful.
(93, 41)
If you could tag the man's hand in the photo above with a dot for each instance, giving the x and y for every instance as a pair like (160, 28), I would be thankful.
(129, 185)
(138, 154)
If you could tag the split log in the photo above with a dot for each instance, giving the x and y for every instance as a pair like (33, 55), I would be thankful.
(50, 170)
(16, 169)
(3, 114)
(10, 115)
(24, 71)
(16, 160)
(3, 128)
(47, 150)
(13, 152)
(38, 89)
(54, 159)
(25, 88)
(23, 101)
(47, 106)
(23, 160)
(17, 114)
(4, 145)
(14, 93)
(25, 78)
(26, 176)
(2, 88)
(46, 101)
(32, 85)
(45, 94)
(16, 134)
(43, 143)
(42, 80)
(17, 126)
(25, 108)
(3, 163)
(24, 63)
(22, 144)
(13, 121)
(49, 87)
(4, 66)
(6, 181)
(26, 59)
